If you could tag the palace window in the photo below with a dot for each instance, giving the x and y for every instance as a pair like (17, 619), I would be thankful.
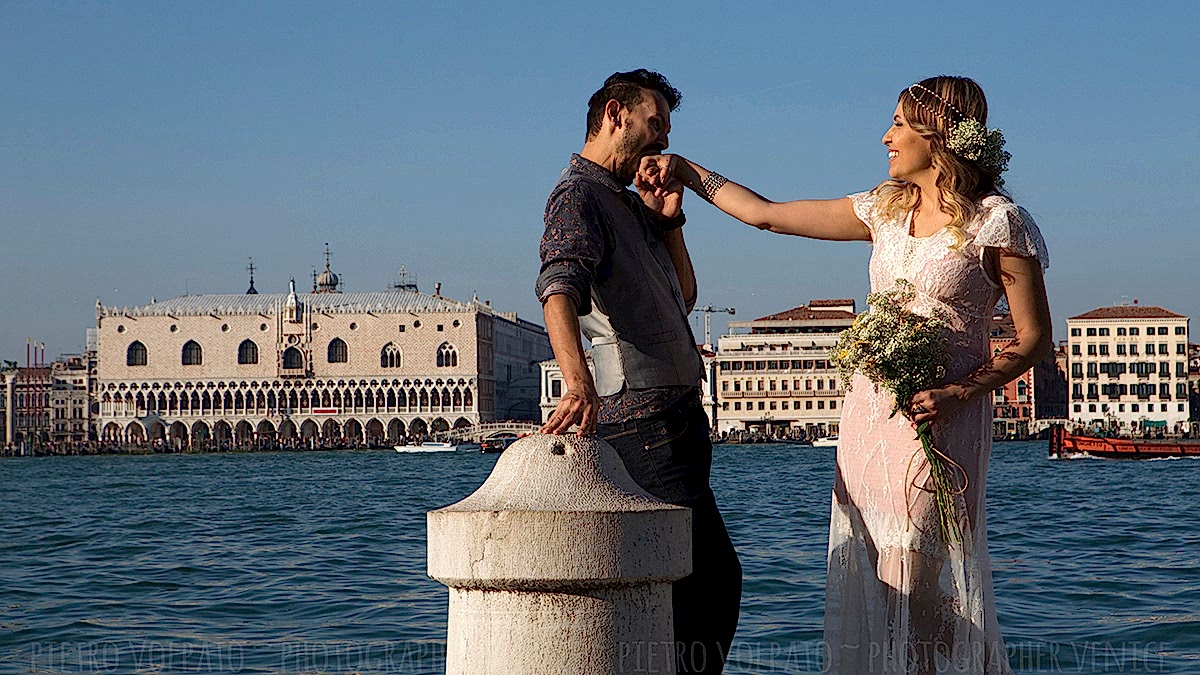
(192, 354)
(247, 352)
(1120, 331)
(447, 356)
(1103, 332)
(293, 359)
(1180, 330)
(390, 357)
(136, 354)
(1075, 332)
(338, 352)
(1091, 332)
(1133, 331)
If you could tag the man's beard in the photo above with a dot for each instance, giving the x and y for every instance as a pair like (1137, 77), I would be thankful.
(630, 154)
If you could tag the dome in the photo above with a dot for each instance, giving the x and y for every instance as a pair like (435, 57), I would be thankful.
(327, 281)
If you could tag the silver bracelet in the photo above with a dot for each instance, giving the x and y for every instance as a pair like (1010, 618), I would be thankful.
(711, 184)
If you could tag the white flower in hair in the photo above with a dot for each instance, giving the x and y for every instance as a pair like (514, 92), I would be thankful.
(971, 140)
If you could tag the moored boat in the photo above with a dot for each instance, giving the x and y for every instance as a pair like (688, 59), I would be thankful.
(1063, 444)
(428, 446)
(495, 445)
(827, 442)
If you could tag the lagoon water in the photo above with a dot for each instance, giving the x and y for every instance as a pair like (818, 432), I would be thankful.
(315, 561)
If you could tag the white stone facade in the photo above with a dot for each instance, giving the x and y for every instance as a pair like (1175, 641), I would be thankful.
(553, 385)
(1129, 369)
(338, 367)
(776, 378)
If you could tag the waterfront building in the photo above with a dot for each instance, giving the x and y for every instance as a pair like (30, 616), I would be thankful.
(1194, 387)
(47, 404)
(773, 374)
(1035, 399)
(1129, 369)
(553, 385)
(324, 367)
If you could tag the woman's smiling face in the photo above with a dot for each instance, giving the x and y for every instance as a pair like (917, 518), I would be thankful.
(909, 153)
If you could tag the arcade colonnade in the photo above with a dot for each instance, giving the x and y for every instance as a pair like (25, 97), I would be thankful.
(255, 412)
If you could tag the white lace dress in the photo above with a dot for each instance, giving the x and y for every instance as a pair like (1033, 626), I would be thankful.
(899, 599)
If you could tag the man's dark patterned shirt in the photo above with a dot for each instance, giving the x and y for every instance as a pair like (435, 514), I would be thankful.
(574, 245)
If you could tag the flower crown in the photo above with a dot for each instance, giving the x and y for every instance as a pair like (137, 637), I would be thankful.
(968, 138)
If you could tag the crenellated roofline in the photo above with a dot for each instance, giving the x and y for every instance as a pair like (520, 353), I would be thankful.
(339, 303)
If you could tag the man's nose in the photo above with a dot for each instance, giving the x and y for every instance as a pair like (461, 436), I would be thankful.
(666, 143)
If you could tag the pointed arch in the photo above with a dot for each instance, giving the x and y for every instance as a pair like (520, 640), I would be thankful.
(287, 429)
(418, 427)
(395, 430)
(247, 352)
(338, 352)
(200, 432)
(136, 354)
(391, 356)
(193, 355)
(309, 429)
(447, 355)
(292, 359)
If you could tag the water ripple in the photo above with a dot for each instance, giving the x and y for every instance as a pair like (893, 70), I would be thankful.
(315, 562)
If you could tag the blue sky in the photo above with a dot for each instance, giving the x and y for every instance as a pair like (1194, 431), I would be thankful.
(148, 149)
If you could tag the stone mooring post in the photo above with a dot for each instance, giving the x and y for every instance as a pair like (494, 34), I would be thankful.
(559, 563)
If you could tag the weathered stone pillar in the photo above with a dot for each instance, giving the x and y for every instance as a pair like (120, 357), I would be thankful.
(559, 563)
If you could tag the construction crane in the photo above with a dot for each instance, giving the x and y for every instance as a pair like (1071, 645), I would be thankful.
(709, 310)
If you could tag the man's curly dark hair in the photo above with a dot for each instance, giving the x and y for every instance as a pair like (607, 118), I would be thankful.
(627, 89)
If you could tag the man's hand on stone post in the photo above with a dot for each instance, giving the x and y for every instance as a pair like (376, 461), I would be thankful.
(579, 405)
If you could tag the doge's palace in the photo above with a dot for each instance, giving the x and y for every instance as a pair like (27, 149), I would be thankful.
(324, 366)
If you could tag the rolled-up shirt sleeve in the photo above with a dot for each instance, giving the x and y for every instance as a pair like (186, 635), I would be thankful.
(572, 245)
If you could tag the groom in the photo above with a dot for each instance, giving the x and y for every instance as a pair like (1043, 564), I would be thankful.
(614, 265)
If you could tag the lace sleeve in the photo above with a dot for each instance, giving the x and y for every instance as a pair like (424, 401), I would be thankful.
(864, 204)
(1011, 229)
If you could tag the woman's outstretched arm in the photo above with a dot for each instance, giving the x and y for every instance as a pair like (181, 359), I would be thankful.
(831, 219)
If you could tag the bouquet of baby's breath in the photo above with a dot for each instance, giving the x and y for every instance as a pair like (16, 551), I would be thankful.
(905, 353)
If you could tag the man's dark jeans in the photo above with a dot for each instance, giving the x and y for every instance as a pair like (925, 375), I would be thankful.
(670, 456)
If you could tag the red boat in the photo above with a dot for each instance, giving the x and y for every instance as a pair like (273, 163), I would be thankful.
(1064, 444)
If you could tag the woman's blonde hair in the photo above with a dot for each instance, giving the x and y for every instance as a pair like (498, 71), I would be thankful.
(932, 107)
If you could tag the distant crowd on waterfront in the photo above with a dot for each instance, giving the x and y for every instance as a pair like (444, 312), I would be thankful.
(166, 446)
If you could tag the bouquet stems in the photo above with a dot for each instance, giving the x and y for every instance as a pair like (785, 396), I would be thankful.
(944, 488)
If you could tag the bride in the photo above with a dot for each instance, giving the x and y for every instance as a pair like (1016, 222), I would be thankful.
(899, 597)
